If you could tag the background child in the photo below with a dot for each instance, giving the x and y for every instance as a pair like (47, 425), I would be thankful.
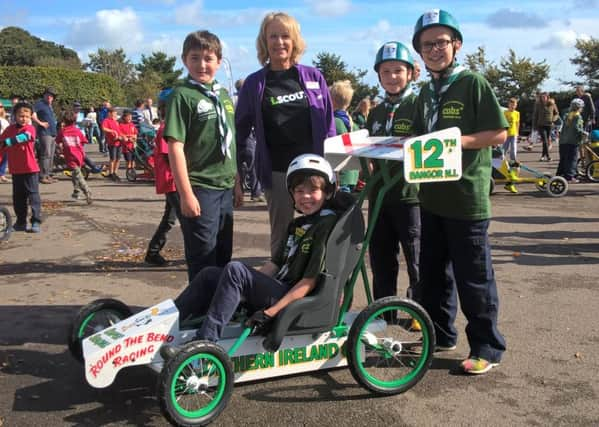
(341, 96)
(112, 135)
(165, 184)
(200, 131)
(398, 221)
(18, 141)
(572, 136)
(292, 273)
(455, 215)
(128, 135)
(71, 140)
(510, 146)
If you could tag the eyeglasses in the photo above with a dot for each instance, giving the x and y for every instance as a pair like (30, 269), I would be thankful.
(440, 44)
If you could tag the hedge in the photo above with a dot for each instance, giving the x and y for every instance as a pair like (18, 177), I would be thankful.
(29, 83)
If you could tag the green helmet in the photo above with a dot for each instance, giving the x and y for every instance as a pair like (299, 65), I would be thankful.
(393, 51)
(432, 18)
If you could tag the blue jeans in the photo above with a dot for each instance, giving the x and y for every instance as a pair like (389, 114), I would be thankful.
(208, 238)
(25, 188)
(171, 213)
(568, 156)
(460, 248)
(4, 164)
(216, 292)
(396, 225)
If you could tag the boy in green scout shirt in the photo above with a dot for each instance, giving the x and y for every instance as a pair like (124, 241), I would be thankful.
(199, 127)
(399, 218)
(455, 215)
(292, 273)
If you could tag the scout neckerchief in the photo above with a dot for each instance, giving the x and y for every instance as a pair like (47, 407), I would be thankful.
(438, 88)
(225, 134)
(394, 101)
(293, 242)
(344, 118)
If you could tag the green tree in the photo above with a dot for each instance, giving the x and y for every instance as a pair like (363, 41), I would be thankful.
(161, 65)
(513, 77)
(19, 48)
(146, 85)
(334, 68)
(587, 61)
(113, 63)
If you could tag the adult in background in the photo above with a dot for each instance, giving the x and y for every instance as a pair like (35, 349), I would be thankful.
(545, 115)
(149, 112)
(246, 153)
(289, 107)
(102, 114)
(45, 122)
(588, 112)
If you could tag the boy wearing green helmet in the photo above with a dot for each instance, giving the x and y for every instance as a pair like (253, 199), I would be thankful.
(399, 218)
(455, 215)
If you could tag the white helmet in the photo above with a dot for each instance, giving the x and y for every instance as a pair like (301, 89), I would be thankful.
(577, 103)
(312, 164)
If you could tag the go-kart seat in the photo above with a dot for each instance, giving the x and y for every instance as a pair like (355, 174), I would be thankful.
(318, 311)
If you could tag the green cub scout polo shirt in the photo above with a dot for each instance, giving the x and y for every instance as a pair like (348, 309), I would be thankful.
(469, 104)
(191, 118)
(305, 249)
(402, 192)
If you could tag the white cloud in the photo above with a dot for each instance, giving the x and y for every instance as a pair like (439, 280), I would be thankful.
(111, 28)
(194, 14)
(330, 7)
(190, 13)
(562, 40)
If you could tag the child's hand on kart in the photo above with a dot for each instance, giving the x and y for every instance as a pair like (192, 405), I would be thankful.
(260, 321)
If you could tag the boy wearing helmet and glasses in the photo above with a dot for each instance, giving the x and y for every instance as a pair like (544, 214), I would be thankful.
(399, 218)
(216, 292)
(455, 215)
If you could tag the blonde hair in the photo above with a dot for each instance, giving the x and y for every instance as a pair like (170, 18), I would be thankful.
(291, 24)
(364, 102)
(341, 94)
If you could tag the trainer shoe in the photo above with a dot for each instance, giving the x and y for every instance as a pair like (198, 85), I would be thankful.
(77, 196)
(35, 227)
(19, 227)
(445, 347)
(46, 180)
(155, 259)
(88, 198)
(477, 366)
(168, 351)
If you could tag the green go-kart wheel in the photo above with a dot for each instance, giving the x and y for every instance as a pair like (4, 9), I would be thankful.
(196, 384)
(390, 345)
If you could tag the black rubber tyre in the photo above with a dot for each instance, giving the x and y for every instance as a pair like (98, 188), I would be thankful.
(492, 187)
(195, 386)
(397, 351)
(92, 318)
(557, 186)
(592, 171)
(5, 224)
(131, 175)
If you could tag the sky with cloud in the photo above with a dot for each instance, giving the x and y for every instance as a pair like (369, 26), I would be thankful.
(352, 29)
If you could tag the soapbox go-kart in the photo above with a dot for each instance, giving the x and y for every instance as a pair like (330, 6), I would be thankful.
(388, 345)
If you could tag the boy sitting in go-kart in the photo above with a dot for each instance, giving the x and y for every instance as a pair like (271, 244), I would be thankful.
(216, 292)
